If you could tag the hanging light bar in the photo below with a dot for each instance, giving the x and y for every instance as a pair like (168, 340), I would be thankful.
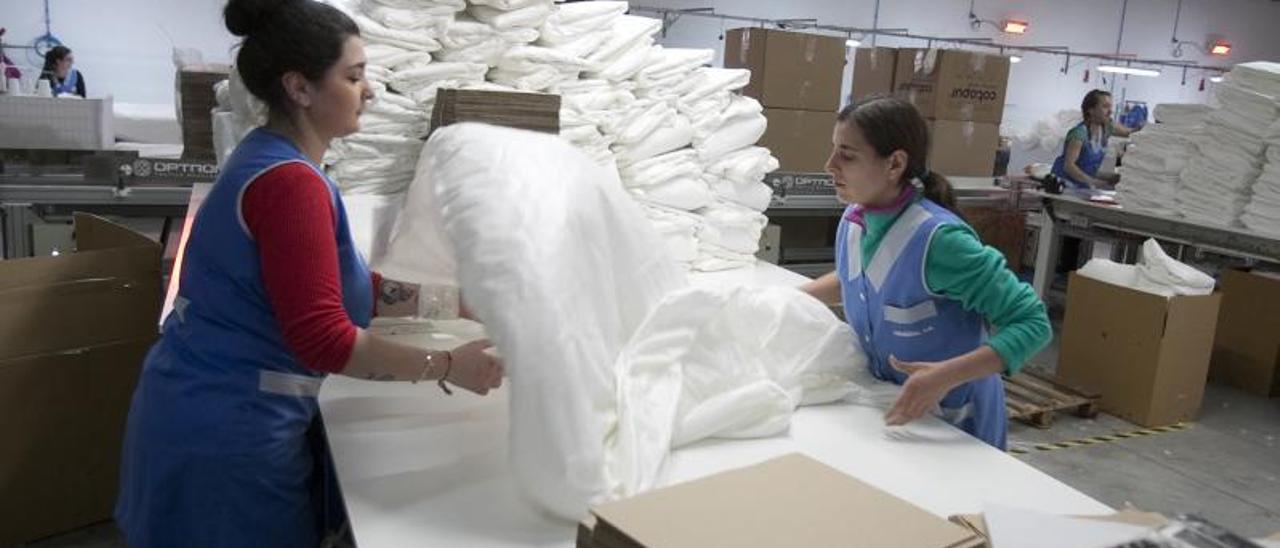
(1013, 26)
(1129, 70)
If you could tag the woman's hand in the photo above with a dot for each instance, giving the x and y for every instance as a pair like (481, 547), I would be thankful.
(475, 368)
(927, 384)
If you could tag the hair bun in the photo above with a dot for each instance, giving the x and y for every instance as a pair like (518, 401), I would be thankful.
(243, 17)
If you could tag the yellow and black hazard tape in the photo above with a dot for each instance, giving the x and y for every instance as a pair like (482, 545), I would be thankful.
(1110, 438)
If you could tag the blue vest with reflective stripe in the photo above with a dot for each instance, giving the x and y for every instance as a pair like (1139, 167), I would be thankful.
(890, 307)
(217, 450)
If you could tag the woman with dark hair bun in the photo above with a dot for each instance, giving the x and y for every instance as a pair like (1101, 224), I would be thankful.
(918, 287)
(224, 445)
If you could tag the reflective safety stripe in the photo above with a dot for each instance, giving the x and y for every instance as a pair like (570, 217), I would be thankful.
(853, 251)
(894, 243)
(285, 384)
(917, 313)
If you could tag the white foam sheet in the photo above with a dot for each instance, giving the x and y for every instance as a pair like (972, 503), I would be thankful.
(418, 468)
(1012, 527)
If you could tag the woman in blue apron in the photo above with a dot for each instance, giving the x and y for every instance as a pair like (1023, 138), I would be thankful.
(917, 285)
(1086, 144)
(60, 71)
(224, 444)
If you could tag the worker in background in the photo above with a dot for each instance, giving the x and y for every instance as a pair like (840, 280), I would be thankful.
(224, 445)
(59, 70)
(917, 285)
(1086, 144)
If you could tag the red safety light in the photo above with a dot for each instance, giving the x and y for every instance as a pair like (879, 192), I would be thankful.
(1221, 47)
(1012, 26)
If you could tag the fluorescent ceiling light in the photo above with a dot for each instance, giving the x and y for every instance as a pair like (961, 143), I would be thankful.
(1215, 79)
(851, 43)
(1015, 58)
(1129, 70)
(1220, 48)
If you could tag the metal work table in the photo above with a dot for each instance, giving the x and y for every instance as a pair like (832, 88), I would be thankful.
(23, 199)
(1075, 213)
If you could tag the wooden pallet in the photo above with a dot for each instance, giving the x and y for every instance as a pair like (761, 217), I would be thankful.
(1034, 398)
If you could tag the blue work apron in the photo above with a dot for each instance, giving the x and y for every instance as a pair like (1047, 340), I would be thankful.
(1090, 160)
(224, 445)
(68, 86)
(893, 313)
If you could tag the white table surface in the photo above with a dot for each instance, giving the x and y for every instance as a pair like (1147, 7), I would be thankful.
(421, 469)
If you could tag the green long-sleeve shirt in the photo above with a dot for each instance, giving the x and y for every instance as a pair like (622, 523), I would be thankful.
(960, 267)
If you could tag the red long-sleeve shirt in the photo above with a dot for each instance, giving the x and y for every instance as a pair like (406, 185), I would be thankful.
(290, 214)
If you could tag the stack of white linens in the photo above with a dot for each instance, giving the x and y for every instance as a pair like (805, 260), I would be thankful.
(1218, 182)
(1156, 157)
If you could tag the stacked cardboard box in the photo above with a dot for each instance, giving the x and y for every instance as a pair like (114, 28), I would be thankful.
(796, 77)
(960, 93)
(196, 96)
(74, 330)
(1246, 352)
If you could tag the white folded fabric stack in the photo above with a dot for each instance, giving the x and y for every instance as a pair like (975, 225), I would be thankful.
(1217, 183)
(1182, 114)
(625, 50)
(667, 68)
(400, 37)
(1262, 213)
(1157, 155)
(372, 163)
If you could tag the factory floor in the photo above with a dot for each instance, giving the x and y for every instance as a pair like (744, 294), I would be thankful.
(1224, 467)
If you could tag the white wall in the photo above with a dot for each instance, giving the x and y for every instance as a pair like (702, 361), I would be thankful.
(123, 47)
(1037, 87)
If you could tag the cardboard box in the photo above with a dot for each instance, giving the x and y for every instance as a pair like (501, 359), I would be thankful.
(953, 84)
(531, 111)
(788, 69)
(873, 71)
(74, 330)
(1146, 354)
(791, 500)
(1004, 228)
(963, 149)
(799, 139)
(1246, 352)
(197, 101)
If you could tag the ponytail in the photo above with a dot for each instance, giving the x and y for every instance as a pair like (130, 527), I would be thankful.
(938, 190)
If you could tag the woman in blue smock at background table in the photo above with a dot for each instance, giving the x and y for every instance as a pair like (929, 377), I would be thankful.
(1086, 144)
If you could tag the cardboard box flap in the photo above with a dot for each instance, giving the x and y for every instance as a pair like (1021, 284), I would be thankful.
(63, 428)
(791, 500)
(93, 233)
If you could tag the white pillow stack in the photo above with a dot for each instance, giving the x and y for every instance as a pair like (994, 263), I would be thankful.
(1262, 213)
(1217, 183)
(1156, 157)
(400, 37)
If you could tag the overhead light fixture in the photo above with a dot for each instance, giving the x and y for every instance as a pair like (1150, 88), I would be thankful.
(1215, 79)
(1220, 48)
(1013, 26)
(851, 43)
(1129, 70)
(1015, 58)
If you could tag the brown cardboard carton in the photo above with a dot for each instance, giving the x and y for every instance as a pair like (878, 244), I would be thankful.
(791, 500)
(1246, 352)
(953, 84)
(963, 149)
(790, 70)
(531, 111)
(873, 70)
(799, 139)
(74, 330)
(1148, 356)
